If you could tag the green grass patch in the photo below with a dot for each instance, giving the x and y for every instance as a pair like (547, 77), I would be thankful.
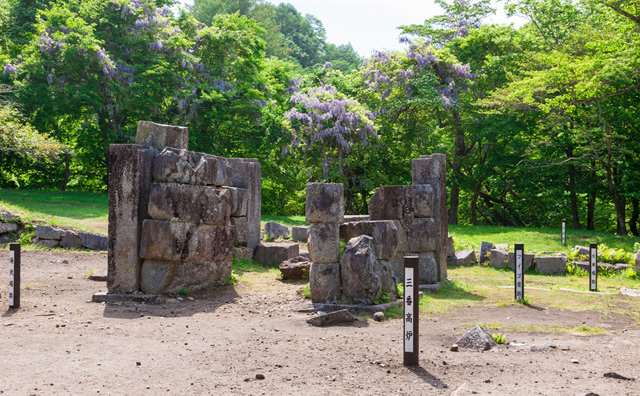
(536, 328)
(286, 220)
(84, 210)
(536, 239)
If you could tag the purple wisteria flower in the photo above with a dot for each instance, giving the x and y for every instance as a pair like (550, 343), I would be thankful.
(328, 65)
(9, 68)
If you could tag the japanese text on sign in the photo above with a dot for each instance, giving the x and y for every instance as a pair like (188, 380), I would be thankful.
(408, 308)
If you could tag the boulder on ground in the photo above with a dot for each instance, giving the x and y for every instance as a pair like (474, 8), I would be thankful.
(273, 253)
(362, 275)
(582, 250)
(46, 232)
(324, 203)
(342, 316)
(620, 267)
(478, 339)
(428, 268)
(551, 265)
(300, 233)
(324, 282)
(7, 217)
(8, 227)
(466, 257)
(273, 230)
(498, 258)
(527, 261)
(94, 241)
(383, 232)
(71, 240)
(585, 265)
(295, 268)
(485, 251)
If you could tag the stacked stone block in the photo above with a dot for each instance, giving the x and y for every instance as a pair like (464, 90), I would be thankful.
(176, 215)
(324, 213)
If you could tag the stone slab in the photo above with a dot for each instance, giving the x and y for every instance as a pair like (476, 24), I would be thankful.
(276, 230)
(240, 231)
(274, 253)
(177, 241)
(387, 203)
(466, 258)
(349, 218)
(527, 261)
(48, 243)
(451, 250)
(353, 308)
(551, 265)
(71, 240)
(324, 203)
(129, 185)
(337, 317)
(423, 236)
(295, 268)
(94, 241)
(8, 227)
(159, 136)
(47, 232)
(419, 200)
(485, 251)
(185, 167)
(498, 258)
(242, 253)
(239, 201)
(246, 173)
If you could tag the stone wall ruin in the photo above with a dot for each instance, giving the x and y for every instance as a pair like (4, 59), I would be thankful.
(175, 216)
(403, 220)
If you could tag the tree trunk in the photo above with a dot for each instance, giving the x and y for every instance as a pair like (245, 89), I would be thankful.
(66, 171)
(572, 192)
(635, 215)
(591, 200)
(474, 208)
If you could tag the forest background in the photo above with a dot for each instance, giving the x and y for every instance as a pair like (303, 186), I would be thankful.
(539, 122)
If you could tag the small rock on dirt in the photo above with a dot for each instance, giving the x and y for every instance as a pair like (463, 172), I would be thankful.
(260, 376)
(454, 348)
(542, 348)
(379, 316)
(295, 268)
(342, 316)
(621, 376)
(478, 339)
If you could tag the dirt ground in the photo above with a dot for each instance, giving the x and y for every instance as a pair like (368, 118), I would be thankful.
(60, 343)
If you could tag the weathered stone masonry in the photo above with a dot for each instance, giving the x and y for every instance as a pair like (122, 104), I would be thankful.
(176, 215)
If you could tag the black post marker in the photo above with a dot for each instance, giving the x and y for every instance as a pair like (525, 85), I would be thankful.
(518, 281)
(593, 267)
(411, 304)
(14, 275)
(564, 231)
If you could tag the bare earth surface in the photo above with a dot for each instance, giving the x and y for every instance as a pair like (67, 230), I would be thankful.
(59, 343)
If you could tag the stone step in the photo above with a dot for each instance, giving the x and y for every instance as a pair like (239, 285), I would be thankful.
(274, 253)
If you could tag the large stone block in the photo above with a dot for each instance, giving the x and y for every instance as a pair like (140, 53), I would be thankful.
(272, 253)
(94, 241)
(159, 136)
(190, 203)
(46, 232)
(383, 232)
(431, 170)
(295, 268)
(422, 235)
(178, 241)
(551, 265)
(159, 277)
(276, 230)
(240, 230)
(498, 258)
(582, 250)
(324, 203)
(387, 203)
(129, 185)
(361, 273)
(485, 251)
(48, 243)
(246, 173)
(242, 252)
(451, 250)
(239, 198)
(350, 218)
(324, 243)
(71, 240)
(466, 257)
(8, 227)
(300, 233)
(527, 261)
(419, 200)
(403, 244)
(428, 268)
(198, 274)
(324, 282)
(186, 167)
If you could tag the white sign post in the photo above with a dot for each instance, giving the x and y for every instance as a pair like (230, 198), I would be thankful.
(14, 275)
(593, 267)
(411, 305)
(519, 272)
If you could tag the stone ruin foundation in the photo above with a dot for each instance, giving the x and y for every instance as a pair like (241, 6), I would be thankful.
(176, 216)
(403, 220)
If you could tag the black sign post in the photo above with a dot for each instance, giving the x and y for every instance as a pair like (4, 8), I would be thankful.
(411, 304)
(14, 275)
(564, 231)
(519, 272)
(593, 267)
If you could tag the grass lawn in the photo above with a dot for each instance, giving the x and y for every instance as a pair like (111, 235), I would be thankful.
(87, 211)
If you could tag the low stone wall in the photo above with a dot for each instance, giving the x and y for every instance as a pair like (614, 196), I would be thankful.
(176, 215)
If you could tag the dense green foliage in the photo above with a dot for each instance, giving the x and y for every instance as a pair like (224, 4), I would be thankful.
(539, 123)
